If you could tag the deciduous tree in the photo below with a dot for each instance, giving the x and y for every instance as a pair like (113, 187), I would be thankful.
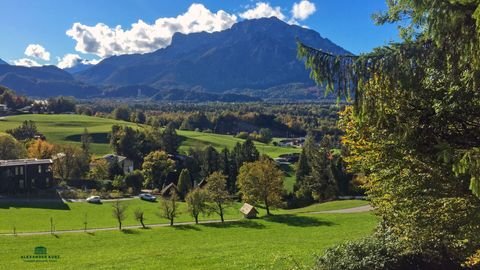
(119, 212)
(197, 203)
(261, 182)
(217, 193)
(168, 208)
(156, 166)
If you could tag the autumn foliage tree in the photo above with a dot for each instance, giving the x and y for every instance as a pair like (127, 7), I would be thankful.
(261, 182)
(40, 149)
(217, 193)
(412, 132)
(197, 203)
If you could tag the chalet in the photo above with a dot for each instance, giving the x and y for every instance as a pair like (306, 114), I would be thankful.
(25, 175)
(249, 211)
(125, 163)
(294, 142)
(167, 190)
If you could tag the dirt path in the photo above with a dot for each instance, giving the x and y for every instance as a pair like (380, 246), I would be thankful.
(358, 209)
(92, 230)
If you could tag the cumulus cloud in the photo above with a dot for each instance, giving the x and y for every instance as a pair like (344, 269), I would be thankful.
(303, 10)
(142, 37)
(70, 60)
(26, 62)
(37, 51)
(262, 10)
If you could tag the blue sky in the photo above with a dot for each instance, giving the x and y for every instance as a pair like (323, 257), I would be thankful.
(66, 32)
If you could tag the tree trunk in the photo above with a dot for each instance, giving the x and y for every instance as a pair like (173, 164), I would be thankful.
(267, 207)
(171, 222)
(143, 225)
(221, 212)
(120, 225)
(196, 219)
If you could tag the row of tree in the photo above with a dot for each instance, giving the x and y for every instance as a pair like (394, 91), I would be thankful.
(259, 182)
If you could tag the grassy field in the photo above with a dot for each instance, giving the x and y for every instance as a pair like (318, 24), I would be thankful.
(266, 243)
(33, 217)
(28, 217)
(67, 128)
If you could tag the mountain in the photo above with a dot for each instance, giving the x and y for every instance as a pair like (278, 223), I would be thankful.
(3, 62)
(45, 81)
(78, 68)
(147, 92)
(253, 54)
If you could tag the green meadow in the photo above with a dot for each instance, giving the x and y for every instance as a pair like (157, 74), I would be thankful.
(67, 129)
(280, 241)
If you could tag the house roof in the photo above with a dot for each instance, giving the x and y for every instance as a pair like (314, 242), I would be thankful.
(19, 162)
(168, 187)
(110, 157)
(247, 209)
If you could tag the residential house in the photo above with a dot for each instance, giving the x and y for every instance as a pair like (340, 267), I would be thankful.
(25, 175)
(125, 163)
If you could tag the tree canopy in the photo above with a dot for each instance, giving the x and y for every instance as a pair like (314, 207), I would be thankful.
(413, 132)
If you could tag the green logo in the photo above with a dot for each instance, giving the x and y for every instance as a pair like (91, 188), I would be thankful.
(40, 255)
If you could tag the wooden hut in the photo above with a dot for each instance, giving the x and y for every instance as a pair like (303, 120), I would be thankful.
(169, 189)
(249, 211)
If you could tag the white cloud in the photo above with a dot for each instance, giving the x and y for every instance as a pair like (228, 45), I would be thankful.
(37, 51)
(142, 37)
(303, 10)
(26, 62)
(70, 60)
(263, 10)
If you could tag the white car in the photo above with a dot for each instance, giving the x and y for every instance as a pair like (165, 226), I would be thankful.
(94, 199)
(147, 197)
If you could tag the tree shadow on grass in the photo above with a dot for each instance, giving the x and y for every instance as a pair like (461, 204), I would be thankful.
(248, 224)
(187, 227)
(297, 221)
(130, 231)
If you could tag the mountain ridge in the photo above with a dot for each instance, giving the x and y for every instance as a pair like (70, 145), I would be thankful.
(255, 54)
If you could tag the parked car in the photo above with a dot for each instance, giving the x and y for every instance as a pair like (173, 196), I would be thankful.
(94, 199)
(147, 197)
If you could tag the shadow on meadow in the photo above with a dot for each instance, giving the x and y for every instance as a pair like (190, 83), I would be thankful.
(187, 227)
(248, 224)
(96, 137)
(54, 202)
(130, 231)
(298, 221)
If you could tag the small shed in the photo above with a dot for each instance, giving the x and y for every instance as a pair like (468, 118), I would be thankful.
(169, 189)
(249, 211)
